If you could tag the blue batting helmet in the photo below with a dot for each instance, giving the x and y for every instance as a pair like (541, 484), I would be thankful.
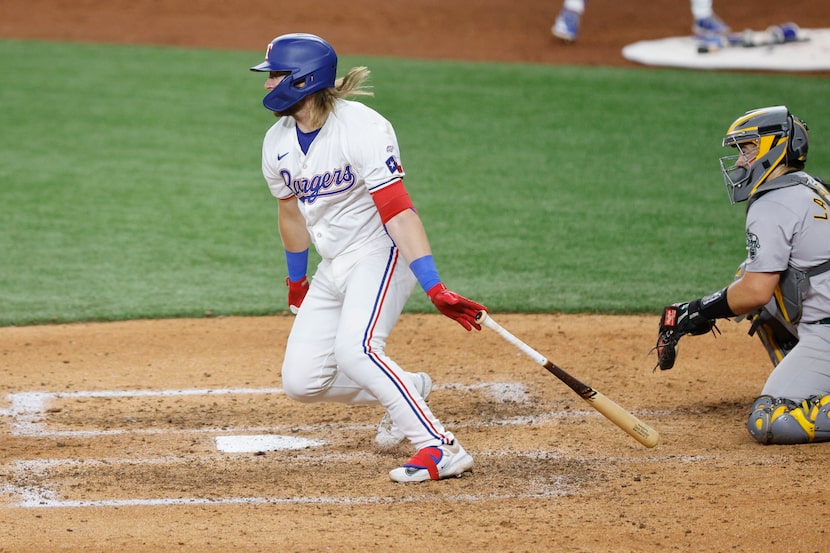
(310, 62)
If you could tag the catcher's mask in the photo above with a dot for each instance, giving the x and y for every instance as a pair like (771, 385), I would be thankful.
(779, 137)
(310, 63)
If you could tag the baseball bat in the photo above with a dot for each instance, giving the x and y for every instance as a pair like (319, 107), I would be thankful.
(637, 429)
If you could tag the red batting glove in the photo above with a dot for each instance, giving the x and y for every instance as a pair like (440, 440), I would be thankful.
(456, 307)
(296, 293)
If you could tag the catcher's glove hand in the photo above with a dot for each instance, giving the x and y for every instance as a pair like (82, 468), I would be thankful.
(677, 321)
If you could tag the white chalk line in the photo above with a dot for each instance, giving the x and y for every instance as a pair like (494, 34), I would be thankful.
(35, 466)
(37, 497)
(520, 420)
(29, 409)
(37, 502)
(32, 496)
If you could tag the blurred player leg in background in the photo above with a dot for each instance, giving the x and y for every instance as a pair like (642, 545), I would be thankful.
(706, 25)
(566, 26)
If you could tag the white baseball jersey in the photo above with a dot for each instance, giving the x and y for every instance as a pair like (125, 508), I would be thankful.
(355, 153)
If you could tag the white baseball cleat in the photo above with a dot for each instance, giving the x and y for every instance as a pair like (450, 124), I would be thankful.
(566, 26)
(434, 463)
(710, 27)
(388, 434)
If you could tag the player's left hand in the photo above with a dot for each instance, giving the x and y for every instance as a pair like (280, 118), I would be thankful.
(296, 293)
(676, 321)
(456, 307)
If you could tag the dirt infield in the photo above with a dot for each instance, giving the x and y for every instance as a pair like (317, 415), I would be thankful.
(109, 432)
(479, 30)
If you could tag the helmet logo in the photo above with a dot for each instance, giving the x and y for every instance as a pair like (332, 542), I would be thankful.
(268, 50)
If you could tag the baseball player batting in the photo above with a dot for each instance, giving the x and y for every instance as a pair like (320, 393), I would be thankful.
(783, 287)
(335, 167)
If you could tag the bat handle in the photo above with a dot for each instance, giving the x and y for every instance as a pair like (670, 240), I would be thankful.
(483, 318)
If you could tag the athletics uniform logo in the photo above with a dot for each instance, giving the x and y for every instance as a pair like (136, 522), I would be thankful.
(752, 244)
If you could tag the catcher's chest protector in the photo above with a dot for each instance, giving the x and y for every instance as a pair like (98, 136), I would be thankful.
(793, 285)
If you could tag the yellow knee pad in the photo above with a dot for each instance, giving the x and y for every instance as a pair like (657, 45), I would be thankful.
(782, 421)
(822, 420)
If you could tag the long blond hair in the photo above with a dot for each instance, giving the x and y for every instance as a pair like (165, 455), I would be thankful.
(353, 83)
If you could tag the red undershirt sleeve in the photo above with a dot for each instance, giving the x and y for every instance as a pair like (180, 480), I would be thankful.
(391, 200)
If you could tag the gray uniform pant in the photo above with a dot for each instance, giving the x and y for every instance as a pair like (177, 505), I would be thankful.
(805, 371)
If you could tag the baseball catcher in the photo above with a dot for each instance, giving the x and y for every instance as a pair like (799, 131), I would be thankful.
(783, 287)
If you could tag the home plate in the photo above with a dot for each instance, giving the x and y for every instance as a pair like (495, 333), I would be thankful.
(269, 442)
(811, 54)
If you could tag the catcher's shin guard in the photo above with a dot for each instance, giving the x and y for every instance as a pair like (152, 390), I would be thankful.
(777, 339)
(782, 421)
(823, 420)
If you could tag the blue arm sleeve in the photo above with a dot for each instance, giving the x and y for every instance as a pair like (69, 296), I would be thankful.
(297, 264)
(426, 272)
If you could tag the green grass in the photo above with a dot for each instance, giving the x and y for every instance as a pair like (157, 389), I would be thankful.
(130, 183)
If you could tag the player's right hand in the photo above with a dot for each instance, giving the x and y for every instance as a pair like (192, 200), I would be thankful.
(457, 308)
(296, 293)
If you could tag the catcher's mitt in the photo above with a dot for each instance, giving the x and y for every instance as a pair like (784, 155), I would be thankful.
(677, 321)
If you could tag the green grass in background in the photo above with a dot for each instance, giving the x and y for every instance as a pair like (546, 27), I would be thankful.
(130, 183)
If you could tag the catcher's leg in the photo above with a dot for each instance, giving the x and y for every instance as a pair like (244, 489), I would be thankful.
(783, 421)
(777, 339)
